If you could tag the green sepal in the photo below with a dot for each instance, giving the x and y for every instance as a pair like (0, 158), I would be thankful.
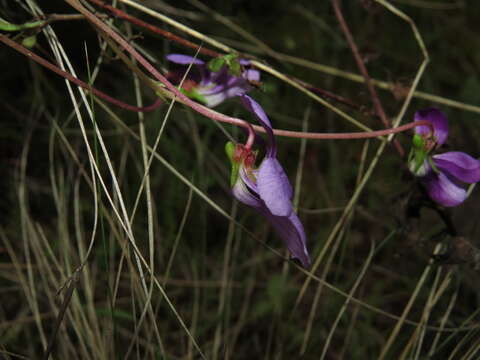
(235, 166)
(216, 64)
(194, 94)
(229, 60)
(418, 153)
(418, 141)
(233, 64)
(30, 41)
(420, 156)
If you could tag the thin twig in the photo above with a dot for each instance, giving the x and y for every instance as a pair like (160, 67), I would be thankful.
(166, 34)
(209, 52)
(363, 70)
(7, 41)
(61, 314)
(209, 112)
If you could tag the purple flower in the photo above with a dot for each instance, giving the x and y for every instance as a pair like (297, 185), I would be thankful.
(213, 87)
(442, 174)
(267, 188)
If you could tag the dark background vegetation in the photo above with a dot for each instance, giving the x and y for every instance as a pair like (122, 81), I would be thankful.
(258, 319)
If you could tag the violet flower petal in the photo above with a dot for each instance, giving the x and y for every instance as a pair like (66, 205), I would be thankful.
(458, 165)
(442, 190)
(291, 231)
(184, 59)
(274, 187)
(252, 106)
(255, 108)
(251, 75)
(438, 120)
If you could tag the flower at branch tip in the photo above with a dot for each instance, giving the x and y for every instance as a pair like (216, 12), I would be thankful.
(266, 188)
(213, 82)
(441, 174)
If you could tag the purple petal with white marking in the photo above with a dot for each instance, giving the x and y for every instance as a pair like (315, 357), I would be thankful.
(459, 165)
(242, 194)
(438, 120)
(215, 95)
(274, 188)
(184, 59)
(442, 190)
(213, 100)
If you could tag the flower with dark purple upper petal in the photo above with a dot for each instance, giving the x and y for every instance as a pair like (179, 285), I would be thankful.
(267, 188)
(441, 174)
(232, 77)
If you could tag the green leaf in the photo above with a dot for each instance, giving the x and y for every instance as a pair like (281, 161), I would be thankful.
(7, 26)
(30, 42)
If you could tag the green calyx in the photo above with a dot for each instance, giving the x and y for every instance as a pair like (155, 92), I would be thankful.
(418, 142)
(216, 64)
(418, 154)
(229, 60)
(235, 165)
(194, 95)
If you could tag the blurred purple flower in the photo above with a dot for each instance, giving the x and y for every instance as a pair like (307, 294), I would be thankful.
(212, 87)
(442, 174)
(268, 190)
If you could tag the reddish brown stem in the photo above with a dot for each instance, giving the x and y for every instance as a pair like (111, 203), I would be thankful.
(195, 106)
(123, 15)
(73, 79)
(166, 34)
(218, 117)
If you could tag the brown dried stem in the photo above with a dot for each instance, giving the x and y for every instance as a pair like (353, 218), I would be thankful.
(363, 70)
